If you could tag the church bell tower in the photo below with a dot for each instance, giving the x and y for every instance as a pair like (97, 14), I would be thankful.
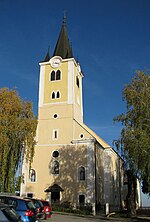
(60, 93)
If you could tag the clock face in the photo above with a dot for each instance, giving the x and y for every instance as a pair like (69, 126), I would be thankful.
(55, 62)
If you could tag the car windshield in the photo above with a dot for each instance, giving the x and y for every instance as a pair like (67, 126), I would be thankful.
(37, 203)
(30, 205)
(45, 203)
(11, 214)
(40, 203)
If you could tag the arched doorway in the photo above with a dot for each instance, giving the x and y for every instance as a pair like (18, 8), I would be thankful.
(55, 196)
(55, 193)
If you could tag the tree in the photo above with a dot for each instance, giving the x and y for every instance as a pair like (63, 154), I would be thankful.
(17, 136)
(134, 141)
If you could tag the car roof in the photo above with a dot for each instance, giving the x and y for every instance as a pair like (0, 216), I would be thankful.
(45, 201)
(7, 195)
(14, 197)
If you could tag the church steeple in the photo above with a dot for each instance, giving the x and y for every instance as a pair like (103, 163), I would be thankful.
(47, 57)
(61, 80)
(63, 47)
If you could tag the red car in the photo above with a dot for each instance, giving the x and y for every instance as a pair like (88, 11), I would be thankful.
(47, 208)
(39, 208)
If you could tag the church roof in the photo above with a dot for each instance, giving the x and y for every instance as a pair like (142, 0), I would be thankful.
(98, 139)
(63, 46)
(47, 57)
(94, 135)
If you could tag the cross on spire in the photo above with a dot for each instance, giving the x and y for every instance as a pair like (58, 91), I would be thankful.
(64, 18)
(63, 47)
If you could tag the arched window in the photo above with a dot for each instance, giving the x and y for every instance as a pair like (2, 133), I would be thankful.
(57, 94)
(32, 175)
(53, 95)
(55, 167)
(81, 173)
(58, 75)
(53, 75)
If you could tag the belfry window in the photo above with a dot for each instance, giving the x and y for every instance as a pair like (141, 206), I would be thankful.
(58, 75)
(32, 175)
(55, 75)
(55, 95)
(81, 173)
(77, 81)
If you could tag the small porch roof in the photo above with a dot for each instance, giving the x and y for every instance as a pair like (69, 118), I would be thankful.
(54, 188)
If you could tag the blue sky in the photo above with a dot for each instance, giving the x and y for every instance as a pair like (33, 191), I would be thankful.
(110, 38)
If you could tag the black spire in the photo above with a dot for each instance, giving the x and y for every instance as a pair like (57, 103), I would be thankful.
(47, 57)
(63, 47)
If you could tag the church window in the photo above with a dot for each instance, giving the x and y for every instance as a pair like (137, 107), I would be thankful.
(55, 116)
(55, 75)
(57, 94)
(81, 200)
(115, 179)
(55, 154)
(53, 95)
(58, 75)
(55, 134)
(81, 135)
(30, 195)
(81, 173)
(55, 167)
(32, 175)
(77, 81)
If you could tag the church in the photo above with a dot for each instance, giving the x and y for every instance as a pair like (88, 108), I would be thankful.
(71, 162)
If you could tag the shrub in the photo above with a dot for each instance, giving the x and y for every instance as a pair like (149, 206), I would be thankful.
(66, 207)
(85, 209)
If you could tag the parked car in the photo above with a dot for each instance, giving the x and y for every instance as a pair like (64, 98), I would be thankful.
(8, 214)
(47, 208)
(39, 207)
(25, 208)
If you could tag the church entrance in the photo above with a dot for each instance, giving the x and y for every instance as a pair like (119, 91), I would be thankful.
(55, 196)
(55, 192)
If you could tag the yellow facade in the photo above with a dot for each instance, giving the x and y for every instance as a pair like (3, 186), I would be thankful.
(61, 131)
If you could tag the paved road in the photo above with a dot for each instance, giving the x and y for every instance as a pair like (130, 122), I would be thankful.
(71, 218)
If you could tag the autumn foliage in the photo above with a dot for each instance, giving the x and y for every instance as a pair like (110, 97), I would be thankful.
(17, 136)
(134, 141)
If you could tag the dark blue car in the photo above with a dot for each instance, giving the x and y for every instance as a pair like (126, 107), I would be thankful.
(24, 207)
(8, 214)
